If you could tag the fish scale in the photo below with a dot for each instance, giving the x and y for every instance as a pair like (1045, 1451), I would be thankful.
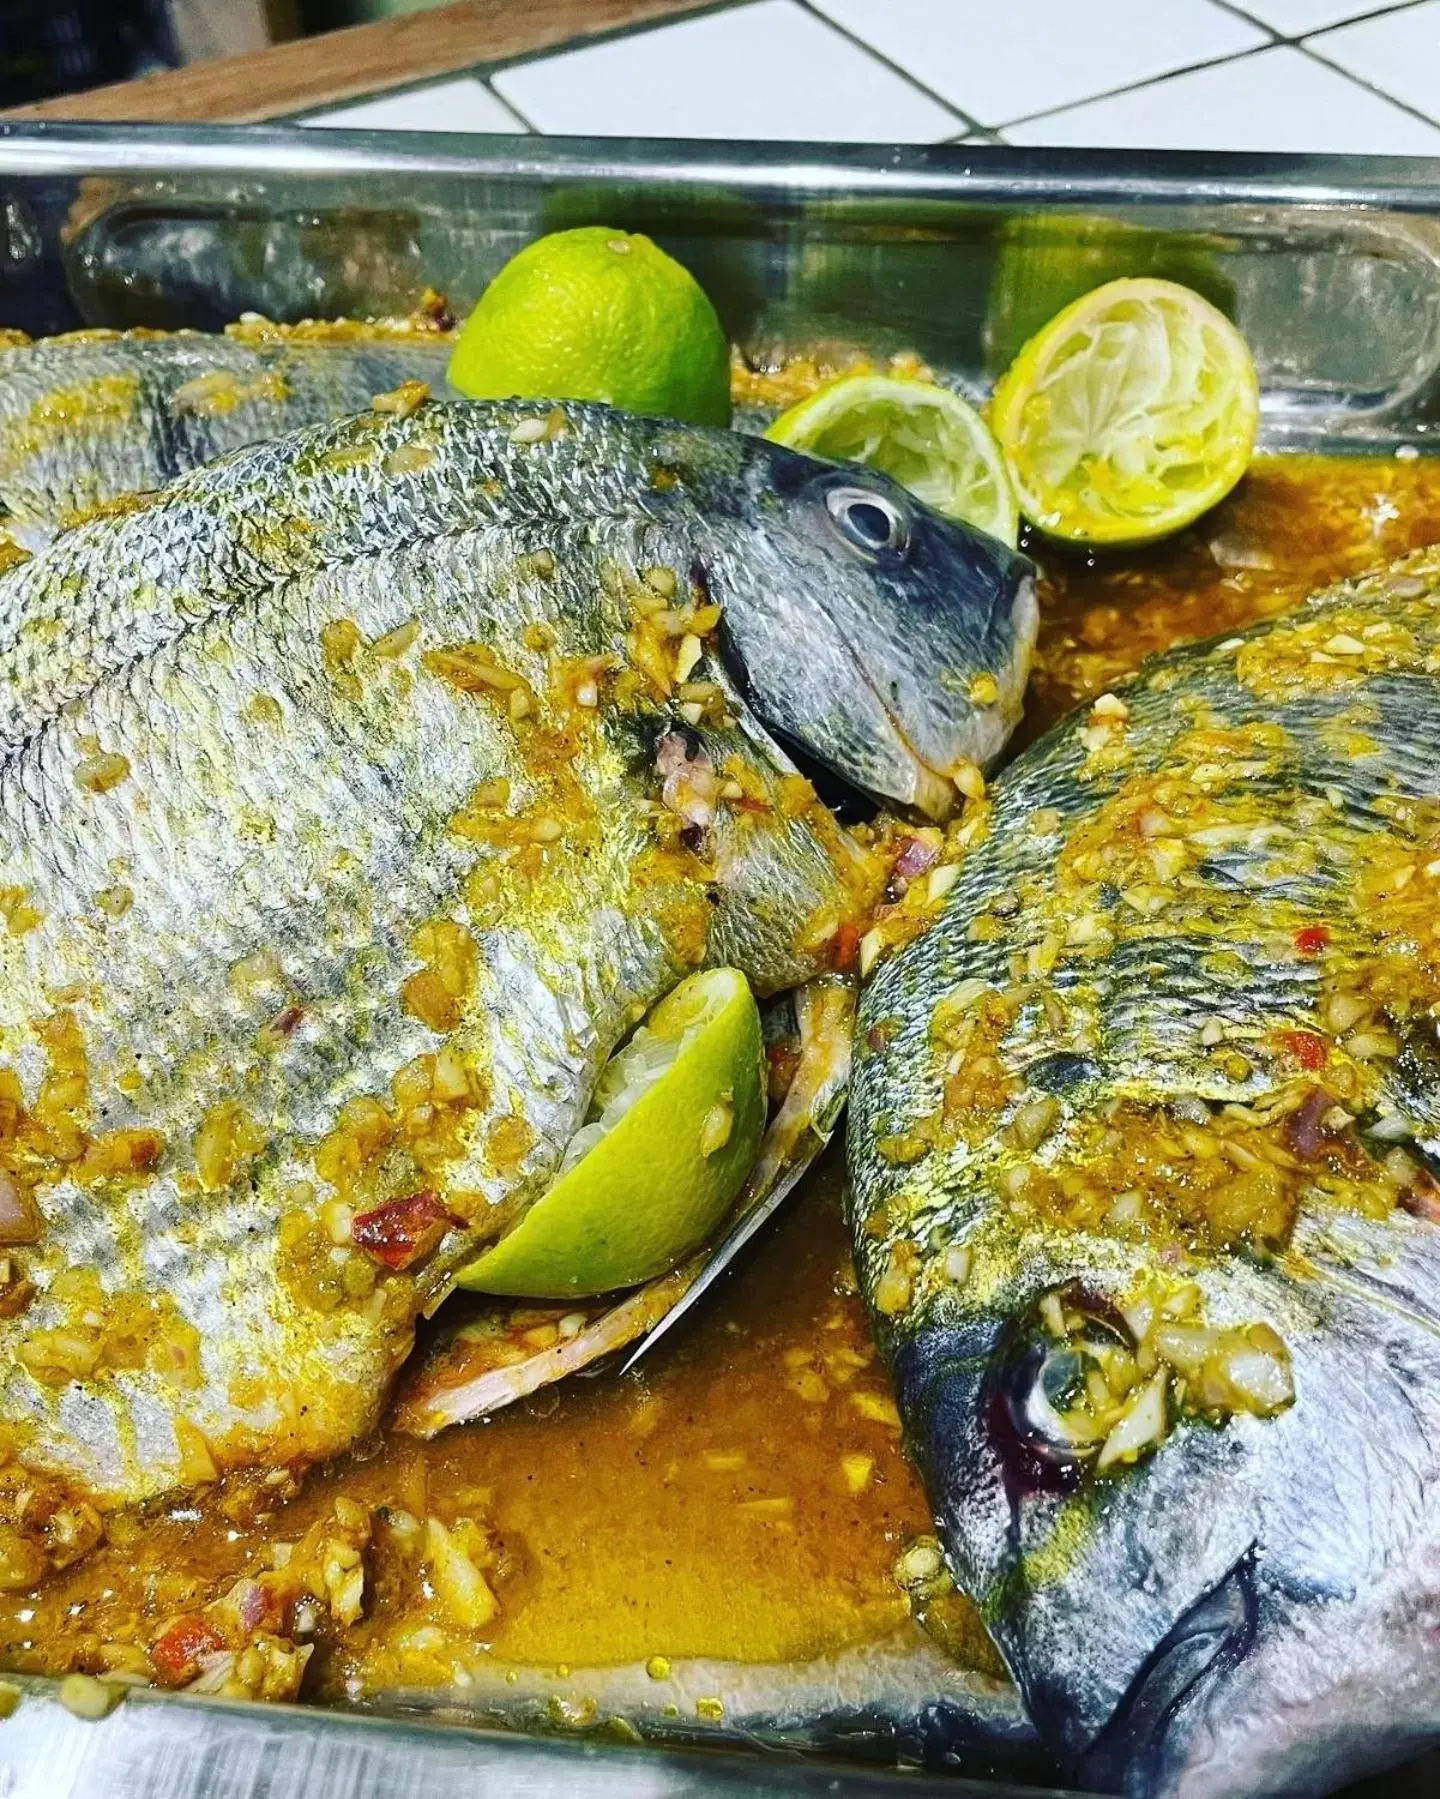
(282, 860)
(90, 416)
(1246, 1600)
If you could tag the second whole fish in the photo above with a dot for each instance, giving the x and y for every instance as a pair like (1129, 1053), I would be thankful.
(1142, 1143)
(92, 415)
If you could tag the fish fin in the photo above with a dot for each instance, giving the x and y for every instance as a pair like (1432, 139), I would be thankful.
(454, 1386)
(898, 1698)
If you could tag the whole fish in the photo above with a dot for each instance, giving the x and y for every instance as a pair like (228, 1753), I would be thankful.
(91, 415)
(359, 792)
(1140, 1143)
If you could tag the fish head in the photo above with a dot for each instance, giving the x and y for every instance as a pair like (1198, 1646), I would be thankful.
(1250, 1608)
(889, 644)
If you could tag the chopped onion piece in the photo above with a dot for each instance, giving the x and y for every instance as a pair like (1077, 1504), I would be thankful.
(462, 1588)
(1260, 1373)
(1140, 1426)
(19, 1221)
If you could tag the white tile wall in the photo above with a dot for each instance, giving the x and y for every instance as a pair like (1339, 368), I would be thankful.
(463, 105)
(1279, 99)
(1293, 18)
(771, 69)
(1351, 75)
(1398, 52)
(1006, 59)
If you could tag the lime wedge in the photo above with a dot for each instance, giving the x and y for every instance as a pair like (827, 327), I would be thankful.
(1132, 412)
(924, 436)
(675, 1126)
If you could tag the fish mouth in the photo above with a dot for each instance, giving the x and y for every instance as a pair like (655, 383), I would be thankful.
(932, 792)
(936, 793)
(921, 779)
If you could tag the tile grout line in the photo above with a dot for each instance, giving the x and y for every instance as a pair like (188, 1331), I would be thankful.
(1368, 86)
(1359, 18)
(509, 106)
(1239, 12)
(1237, 7)
(482, 71)
(895, 68)
(1303, 42)
(1216, 62)
(401, 90)
(1134, 87)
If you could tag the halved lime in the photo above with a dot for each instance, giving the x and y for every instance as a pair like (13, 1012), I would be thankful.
(675, 1127)
(1132, 412)
(926, 437)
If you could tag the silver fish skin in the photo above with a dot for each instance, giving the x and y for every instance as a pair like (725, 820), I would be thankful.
(329, 886)
(901, 1698)
(91, 415)
(1140, 1141)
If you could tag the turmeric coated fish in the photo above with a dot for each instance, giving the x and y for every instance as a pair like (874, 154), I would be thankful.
(1142, 1139)
(89, 416)
(358, 793)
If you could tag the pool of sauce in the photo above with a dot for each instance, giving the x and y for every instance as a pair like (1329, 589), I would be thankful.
(1295, 524)
(712, 1503)
(696, 1507)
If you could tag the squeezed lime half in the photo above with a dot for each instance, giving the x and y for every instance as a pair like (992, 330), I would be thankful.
(1132, 412)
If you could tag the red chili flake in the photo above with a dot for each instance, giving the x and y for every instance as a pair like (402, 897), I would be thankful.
(1304, 1130)
(402, 1230)
(782, 1059)
(1309, 1051)
(847, 946)
(176, 1652)
(1312, 939)
(1422, 1199)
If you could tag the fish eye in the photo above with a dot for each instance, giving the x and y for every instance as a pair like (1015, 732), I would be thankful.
(868, 521)
(1042, 1385)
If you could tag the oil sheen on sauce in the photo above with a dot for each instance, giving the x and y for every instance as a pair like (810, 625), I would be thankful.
(745, 1494)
